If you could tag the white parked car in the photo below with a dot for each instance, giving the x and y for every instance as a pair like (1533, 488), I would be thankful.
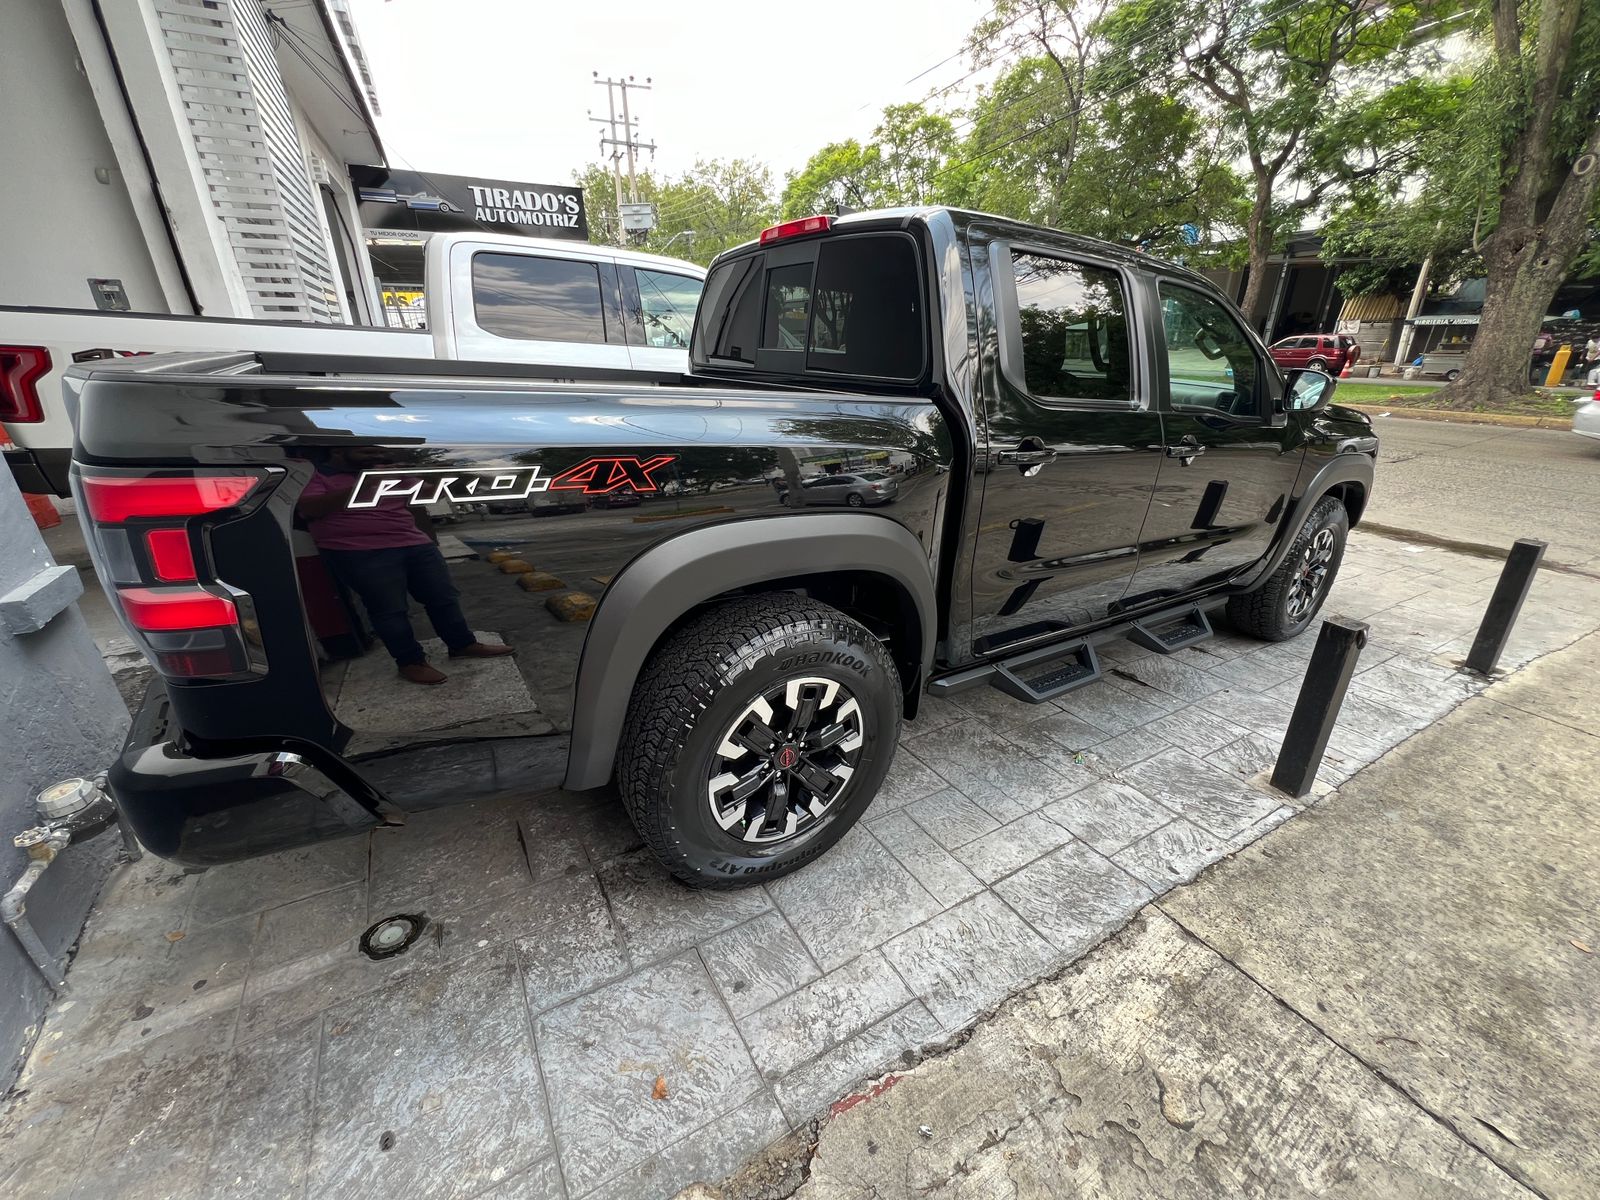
(1586, 419)
(489, 298)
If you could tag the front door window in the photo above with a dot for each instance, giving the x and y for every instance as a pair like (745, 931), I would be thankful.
(1211, 364)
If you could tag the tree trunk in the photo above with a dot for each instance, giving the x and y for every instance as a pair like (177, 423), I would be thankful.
(1258, 237)
(1525, 266)
(1533, 246)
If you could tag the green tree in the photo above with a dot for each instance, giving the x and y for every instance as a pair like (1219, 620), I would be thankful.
(1537, 204)
(840, 175)
(1061, 42)
(913, 145)
(716, 204)
(1292, 84)
(1013, 160)
(1147, 166)
(904, 163)
(1423, 207)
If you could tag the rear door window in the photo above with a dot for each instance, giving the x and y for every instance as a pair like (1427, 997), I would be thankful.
(667, 302)
(1074, 320)
(538, 299)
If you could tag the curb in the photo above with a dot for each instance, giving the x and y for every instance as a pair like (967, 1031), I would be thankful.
(1515, 420)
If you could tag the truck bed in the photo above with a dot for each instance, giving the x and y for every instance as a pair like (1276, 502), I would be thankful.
(683, 491)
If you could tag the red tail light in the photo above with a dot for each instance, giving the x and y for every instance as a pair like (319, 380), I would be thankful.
(113, 499)
(141, 535)
(167, 610)
(21, 368)
(797, 228)
(170, 554)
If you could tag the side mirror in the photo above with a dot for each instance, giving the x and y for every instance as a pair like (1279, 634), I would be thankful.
(1308, 390)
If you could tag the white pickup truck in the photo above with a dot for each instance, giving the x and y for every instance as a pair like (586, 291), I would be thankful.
(488, 299)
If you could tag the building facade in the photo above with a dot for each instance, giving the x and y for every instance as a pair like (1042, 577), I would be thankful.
(187, 157)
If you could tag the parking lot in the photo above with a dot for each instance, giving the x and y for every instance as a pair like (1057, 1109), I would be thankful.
(573, 1023)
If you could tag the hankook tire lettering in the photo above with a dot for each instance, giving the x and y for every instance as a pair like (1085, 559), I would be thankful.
(832, 657)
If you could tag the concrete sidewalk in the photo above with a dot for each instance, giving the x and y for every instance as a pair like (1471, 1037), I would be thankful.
(1395, 996)
(225, 1036)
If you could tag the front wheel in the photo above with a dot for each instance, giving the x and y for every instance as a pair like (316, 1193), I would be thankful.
(756, 737)
(1291, 596)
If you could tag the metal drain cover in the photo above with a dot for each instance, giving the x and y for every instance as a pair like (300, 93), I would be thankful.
(392, 935)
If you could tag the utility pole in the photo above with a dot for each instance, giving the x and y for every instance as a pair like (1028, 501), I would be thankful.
(627, 123)
(1419, 293)
(623, 140)
(611, 123)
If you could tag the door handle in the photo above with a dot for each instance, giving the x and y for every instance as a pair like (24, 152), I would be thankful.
(1031, 454)
(1186, 448)
(1026, 458)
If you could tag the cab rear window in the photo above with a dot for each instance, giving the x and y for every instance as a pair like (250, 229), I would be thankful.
(838, 306)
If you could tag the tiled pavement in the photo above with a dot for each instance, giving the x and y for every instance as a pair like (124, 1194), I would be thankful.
(224, 1037)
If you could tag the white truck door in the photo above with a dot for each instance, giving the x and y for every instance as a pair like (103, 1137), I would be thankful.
(539, 304)
(663, 302)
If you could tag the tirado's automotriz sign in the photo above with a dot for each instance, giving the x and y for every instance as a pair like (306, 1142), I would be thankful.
(593, 477)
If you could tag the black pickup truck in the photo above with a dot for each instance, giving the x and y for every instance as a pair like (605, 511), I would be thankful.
(917, 451)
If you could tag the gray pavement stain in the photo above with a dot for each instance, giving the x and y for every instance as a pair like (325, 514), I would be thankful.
(588, 973)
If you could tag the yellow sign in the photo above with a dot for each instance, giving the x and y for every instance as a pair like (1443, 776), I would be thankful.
(401, 299)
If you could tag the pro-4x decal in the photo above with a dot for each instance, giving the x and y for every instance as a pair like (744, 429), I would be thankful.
(593, 477)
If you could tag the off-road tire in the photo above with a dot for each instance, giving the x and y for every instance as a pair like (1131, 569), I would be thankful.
(697, 681)
(1265, 611)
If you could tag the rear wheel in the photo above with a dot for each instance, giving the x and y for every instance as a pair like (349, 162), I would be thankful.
(1291, 596)
(756, 737)
(1317, 364)
(855, 500)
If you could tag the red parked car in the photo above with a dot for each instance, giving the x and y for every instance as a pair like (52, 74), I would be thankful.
(1330, 352)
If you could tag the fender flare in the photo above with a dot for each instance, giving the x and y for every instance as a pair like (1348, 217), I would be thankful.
(669, 579)
(1350, 466)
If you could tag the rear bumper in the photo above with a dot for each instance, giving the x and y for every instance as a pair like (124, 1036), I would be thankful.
(1586, 420)
(201, 811)
(41, 471)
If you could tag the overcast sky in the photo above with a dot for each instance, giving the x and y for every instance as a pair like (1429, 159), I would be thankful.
(503, 88)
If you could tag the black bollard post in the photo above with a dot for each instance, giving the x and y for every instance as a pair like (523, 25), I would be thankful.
(1333, 662)
(1516, 577)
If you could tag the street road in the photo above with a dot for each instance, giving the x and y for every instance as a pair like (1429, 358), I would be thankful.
(1490, 485)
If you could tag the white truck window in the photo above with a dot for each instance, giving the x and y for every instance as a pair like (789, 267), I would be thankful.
(668, 302)
(538, 299)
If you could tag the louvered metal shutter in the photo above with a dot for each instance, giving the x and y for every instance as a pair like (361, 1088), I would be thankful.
(250, 155)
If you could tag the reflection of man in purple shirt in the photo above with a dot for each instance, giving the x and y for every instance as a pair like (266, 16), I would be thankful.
(382, 555)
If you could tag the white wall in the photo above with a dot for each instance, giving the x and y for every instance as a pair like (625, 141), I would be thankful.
(59, 226)
(365, 284)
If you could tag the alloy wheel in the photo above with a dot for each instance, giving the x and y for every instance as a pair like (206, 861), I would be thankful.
(785, 760)
(1311, 576)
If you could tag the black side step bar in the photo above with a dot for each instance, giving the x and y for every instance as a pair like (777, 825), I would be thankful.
(1173, 634)
(1042, 674)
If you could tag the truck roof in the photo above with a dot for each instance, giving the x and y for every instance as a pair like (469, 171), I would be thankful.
(959, 219)
(439, 243)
